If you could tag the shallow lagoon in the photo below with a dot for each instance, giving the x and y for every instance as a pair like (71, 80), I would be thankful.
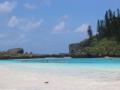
(82, 67)
(61, 73)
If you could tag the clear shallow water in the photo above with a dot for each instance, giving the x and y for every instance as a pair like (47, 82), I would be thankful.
(85, 67)
(94, 63)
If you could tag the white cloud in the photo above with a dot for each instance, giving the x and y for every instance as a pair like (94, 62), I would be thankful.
(29, 6)
(7, 6)
(82, 28)
(64, 18)
(61, 26)
(13, 22)
(23, 24)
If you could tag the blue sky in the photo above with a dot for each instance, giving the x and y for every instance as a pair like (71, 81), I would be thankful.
(49, 26)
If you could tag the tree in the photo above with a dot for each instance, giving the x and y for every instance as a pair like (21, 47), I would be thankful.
(106, 16)
(90, 33)
(110, 14)
(110, 26)
(102, 28)
(118, 12)
(98, 27)
(98, 30)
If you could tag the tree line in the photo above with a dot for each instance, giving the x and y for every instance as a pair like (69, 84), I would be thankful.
(110, 25)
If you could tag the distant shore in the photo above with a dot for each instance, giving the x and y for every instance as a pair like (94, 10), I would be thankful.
(30, 56)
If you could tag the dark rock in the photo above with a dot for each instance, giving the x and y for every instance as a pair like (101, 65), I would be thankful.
(15, 51)
(74, 48)
(46, 82)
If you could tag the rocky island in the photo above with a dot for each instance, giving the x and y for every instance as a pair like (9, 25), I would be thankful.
(19, 53)
(105, 43)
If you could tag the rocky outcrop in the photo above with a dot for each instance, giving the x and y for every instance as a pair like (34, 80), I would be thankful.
(80, 48)
(74, 48)
(15, 51)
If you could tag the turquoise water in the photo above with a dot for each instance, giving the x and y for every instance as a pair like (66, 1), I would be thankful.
(94, 63)
(85, 67)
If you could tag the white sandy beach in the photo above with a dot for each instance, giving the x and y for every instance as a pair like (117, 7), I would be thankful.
(12, 78)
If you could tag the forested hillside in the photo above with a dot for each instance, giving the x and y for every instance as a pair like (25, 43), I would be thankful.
(107, 39)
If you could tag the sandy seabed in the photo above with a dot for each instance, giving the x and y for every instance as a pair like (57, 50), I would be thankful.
(12, 78)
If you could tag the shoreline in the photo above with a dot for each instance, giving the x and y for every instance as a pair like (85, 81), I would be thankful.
(24, 56)
(18, 53)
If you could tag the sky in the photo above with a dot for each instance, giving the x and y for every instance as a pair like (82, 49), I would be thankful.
(49, 26)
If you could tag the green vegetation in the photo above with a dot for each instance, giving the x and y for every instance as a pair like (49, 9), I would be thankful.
(110, 26)
(103, 46)
(107, 40)
(90, 32)
(12, 56)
